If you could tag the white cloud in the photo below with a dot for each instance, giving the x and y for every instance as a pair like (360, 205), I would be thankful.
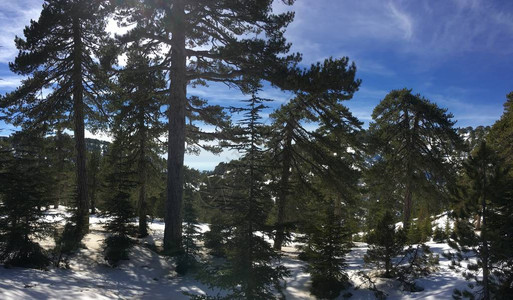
(403, 21)
(14, 16)
(10, 81)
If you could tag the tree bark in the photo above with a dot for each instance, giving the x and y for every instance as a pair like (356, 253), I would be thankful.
(484, 250)
(93, 193)
(176, 141)
(407, 206)
(141, 205)
(82, 216)
(60, 168)
(408, 195)
(284, 188)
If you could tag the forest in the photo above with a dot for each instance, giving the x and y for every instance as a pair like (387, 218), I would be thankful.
(311, 184)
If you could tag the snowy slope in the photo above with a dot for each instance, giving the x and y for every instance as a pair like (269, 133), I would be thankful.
(150, 276)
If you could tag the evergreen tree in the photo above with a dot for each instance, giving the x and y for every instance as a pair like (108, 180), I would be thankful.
(327, 241)
(412, 142)
(441, 235)
(118, 207)
(216, 193)
(473, 136)
(501, 133)
(421, 229)
(385, 243)
(63, 164)
(487, 194)
(26, 183)
(188, 260)
(248, 272)
(224, 30)
(318, 101)
(93, 173)
(60, 52)
(138, 121)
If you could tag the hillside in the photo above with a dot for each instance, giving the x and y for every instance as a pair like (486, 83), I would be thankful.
(147, 275)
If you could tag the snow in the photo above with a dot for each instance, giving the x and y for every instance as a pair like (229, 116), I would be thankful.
(148, 275)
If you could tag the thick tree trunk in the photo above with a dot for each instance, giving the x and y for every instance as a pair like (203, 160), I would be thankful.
(284, 188)
(82, 216)
(176, 141)
(408, 195)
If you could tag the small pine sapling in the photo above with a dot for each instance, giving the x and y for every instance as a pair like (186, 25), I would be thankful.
(187, 260)
(385, 243)
(327, 243)
(24, 182)
(118, 207)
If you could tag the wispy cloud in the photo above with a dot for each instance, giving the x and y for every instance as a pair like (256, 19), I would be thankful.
(14, 16)
(373, 67)
(422, 28)
(403, 20)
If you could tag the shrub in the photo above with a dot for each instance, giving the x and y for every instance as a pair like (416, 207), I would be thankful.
(117, 248)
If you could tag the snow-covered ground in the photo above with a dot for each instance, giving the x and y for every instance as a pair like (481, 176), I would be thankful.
(150, 276)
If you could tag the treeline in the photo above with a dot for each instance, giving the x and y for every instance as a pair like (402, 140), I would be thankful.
(313, 173)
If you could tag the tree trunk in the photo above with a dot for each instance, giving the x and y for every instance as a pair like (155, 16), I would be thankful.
(82, 216)
(143, 224)
(60, 168)
(408, 202)
(484, 251)
(93, 192)
(176, 141)
(284, 188)
(407, 206)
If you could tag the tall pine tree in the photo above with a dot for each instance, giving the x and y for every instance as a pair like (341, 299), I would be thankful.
(235, 42)
(318, 100)
(412, 142)
(487, 193)
(501, 133)
(249, 272)
(60, 52)
(137, 105)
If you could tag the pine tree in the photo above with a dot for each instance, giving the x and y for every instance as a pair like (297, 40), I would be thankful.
(188, 261)
(487, 194)
(26, 183)
(248, 272)
(389, 255)
(60, 52)
(93, 173)
(320, 91)
(327, 241)
(118, 207)
(224, 29)
(501, 133)
(411, 141)
(62, 162)
(385, 243)
(138, 121)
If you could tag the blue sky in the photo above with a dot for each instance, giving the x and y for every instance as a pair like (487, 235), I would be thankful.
(457, 53)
